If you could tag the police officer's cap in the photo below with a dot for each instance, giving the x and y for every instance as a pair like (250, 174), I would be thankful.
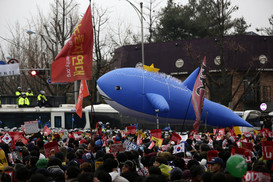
(29, 89)
(42, 92)
(23, 93)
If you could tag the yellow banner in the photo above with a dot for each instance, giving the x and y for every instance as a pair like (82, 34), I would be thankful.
(158, 141)
(97, 164)
(237, 130)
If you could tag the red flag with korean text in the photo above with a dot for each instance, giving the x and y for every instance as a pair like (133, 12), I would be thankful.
(131, 130)
(156, 133)
(176, 137)
(267, 150)
(83, 92)
(198, 94)
(74, 62)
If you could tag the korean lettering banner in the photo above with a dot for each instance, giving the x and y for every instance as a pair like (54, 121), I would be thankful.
(9, 69)
(130, 145)
(267, 149)
(74, 62)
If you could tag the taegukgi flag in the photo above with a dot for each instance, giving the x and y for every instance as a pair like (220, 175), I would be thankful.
(74, 62)
(198, 94)
(179, 148)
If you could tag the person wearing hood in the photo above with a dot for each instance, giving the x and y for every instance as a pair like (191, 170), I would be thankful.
(162, 163)
(111, 166)
(72, 173)
(128, 171)
(54, 168)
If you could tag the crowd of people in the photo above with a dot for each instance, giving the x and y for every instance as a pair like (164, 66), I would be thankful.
(24, 98)
(86, 156)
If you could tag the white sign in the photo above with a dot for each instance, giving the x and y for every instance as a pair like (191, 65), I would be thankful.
(31, 127)
(263, 106)
(9, 69)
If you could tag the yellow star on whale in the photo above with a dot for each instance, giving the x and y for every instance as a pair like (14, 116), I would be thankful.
(150, 68)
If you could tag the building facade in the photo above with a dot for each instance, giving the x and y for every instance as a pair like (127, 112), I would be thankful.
(248, 62)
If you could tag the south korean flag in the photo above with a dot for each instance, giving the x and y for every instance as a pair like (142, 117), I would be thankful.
(178, 148)
(7, 139)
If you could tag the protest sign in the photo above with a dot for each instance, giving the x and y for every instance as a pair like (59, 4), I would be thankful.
(175, 137)
(131, 130)
(130, 145)
(97, 164)
(31, 127)
(46, 130)
(184, 137)
(267, 150)
(245, 153)
(49, 146)
(197, 137)
(212, 154)
(156, 133)
(152, 144)
(158, 141)
(117, 148)
(247, 145)
(253, 176)
(77, 135)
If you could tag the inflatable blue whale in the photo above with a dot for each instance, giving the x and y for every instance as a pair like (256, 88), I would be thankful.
(134, 91)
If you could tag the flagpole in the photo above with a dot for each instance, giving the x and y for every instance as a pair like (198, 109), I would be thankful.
(205, 129)
(91, 105)
(186, 113)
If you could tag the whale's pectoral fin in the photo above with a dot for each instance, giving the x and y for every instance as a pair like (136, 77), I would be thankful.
(158, 102)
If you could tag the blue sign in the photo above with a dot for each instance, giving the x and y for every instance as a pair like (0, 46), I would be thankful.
(49, 82)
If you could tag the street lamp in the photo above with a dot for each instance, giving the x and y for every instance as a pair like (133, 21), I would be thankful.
(141, 17)
(157, 119)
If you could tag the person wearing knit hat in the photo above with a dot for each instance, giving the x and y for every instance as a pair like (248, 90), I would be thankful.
(88, 157)
(176, 174)
(42, 163)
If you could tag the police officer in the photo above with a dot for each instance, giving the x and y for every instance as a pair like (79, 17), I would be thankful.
(29, 92)
(23, 100)
(18, 94)
(41, 99)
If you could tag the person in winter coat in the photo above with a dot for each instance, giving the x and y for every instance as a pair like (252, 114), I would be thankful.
(162, 163)
(55, 171)
(128, 171)
(111, 166)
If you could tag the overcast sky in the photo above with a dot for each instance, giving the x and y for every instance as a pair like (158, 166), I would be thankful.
(255, 12)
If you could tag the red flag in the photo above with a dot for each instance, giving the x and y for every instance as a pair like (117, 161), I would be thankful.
(212, 154)
(46, 130)
(131, 130)
(74, 62)
(82, 93)
(156, 133)
(152, 144)
(267, 150)
(176, 138)
(198, 94)
(49, 146)
(139, 141)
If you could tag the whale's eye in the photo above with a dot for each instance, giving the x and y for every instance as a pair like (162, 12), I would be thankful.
(118, 88)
